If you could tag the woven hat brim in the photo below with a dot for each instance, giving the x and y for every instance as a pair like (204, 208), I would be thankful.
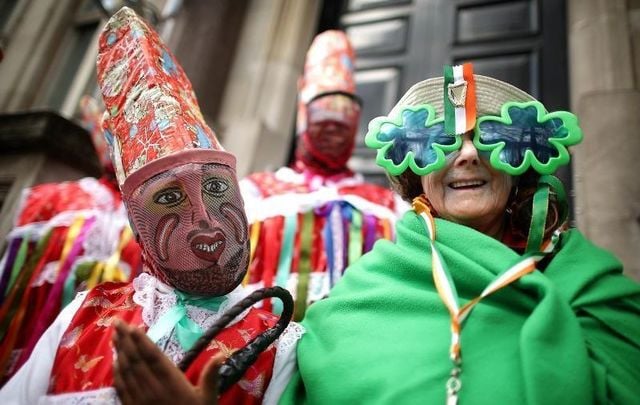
(491, 94)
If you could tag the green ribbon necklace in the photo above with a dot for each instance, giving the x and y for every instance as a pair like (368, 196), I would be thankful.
(187, 331)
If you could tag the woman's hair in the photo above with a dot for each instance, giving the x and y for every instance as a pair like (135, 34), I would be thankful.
(407, 185)
(519, 207)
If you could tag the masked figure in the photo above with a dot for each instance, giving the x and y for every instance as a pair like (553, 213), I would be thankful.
(67, 236)
(185, 208)
(309, 221)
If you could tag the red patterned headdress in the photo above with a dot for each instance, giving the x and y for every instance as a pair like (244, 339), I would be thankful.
(328, 69)
(153, 121)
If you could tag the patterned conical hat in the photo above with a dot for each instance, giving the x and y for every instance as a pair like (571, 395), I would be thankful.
(328, 68)
(152, 110)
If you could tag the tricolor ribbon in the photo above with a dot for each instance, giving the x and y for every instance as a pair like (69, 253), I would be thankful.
(459, 99)
(448, 294)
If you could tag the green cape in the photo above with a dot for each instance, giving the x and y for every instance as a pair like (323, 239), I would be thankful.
(568, 335)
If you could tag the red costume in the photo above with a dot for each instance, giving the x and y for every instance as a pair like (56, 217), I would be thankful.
(310, 221)
(183, 202)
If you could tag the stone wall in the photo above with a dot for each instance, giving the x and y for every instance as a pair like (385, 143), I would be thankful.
(604, 51)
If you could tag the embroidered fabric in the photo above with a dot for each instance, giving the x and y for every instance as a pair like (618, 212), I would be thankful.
(156, 298)
(102, 396)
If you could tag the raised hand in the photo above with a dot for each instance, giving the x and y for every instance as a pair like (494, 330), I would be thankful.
(142, 374)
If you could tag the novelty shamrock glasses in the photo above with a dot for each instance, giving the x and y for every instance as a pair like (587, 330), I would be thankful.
(524, 136)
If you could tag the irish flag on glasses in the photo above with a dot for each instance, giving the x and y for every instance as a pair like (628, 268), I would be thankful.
(459, 99)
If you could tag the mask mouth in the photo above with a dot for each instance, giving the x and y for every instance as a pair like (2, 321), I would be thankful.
(208, 247)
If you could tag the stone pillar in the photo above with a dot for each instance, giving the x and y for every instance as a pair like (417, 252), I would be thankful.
(29, 49)
(605, 97)
(258, 109)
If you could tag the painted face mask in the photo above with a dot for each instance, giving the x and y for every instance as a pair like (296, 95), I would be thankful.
(329, 138)
(192, 226)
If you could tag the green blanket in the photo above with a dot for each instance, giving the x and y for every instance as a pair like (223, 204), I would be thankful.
(568, 335)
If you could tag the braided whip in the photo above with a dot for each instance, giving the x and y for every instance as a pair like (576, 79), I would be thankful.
(236, 365)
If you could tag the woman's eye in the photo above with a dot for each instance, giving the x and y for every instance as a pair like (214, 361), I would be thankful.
(171, 196)
(215, 186)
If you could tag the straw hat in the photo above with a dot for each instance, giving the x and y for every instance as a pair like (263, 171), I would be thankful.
(491, 94)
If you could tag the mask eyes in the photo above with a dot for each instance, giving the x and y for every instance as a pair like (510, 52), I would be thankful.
(215, 186)
(169, 197)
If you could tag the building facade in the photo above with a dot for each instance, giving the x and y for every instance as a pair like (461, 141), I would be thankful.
(244, 58)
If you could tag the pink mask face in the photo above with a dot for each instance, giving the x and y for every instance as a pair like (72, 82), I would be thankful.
(332, 123)
(192, 227)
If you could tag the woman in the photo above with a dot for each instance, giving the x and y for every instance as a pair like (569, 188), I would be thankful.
(486, 296)
(402, 327)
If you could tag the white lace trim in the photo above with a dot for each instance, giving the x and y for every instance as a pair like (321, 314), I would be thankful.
(103, 237)
(289, 339)
(48, 274)
(290, 203)
(317, 289)
(100, 396)
(102, 196)
(156, 298)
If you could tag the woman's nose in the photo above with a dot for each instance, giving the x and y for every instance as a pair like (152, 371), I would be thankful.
(468, 153)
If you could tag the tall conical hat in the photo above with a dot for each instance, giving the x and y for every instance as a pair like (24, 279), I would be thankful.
(328, 69)
(153, 119)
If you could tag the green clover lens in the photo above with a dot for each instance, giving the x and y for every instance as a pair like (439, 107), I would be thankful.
(413, 139)
(525, 136)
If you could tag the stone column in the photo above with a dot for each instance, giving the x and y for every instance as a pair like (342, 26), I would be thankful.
(258, 108)
(29, 49)
(603, 35)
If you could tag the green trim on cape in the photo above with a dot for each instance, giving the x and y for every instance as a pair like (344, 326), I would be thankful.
(570, 335)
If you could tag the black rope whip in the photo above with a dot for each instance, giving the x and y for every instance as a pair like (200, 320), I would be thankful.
(236, 365)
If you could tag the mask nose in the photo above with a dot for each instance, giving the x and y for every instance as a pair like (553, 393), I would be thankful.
(199, 214)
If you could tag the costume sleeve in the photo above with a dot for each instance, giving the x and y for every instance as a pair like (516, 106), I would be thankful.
(32, 380)
(284, 365)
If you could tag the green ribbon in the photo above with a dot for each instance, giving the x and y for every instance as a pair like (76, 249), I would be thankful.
(355, 236)
(304, 265)
(69, 291)
(286, 256)
(22, 283)
(21, 256)
(187, 331)
(449, 108)
(541, 207)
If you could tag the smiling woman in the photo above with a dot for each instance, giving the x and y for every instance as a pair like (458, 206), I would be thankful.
(486, 296)
(469, 191)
